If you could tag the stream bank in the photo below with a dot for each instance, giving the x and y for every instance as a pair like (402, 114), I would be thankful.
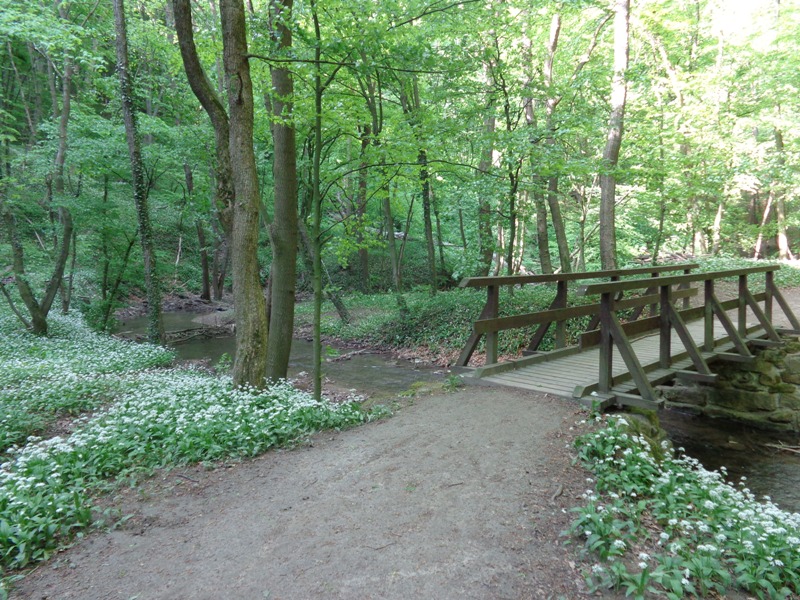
(380, 376)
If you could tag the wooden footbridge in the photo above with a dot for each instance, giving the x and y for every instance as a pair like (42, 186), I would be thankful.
(629, 331)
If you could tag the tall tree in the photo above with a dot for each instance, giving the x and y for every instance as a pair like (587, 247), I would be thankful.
(250, 364)
(210, 101)
(155, 324)
(608, 178)
(283, 230)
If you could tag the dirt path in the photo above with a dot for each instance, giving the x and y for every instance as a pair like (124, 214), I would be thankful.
(460, 495)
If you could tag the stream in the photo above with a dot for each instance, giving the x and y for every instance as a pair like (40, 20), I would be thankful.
(714, 442)
(378, 375)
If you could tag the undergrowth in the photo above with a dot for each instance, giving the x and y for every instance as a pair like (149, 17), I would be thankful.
(444, 321)
(672, 529)
(134, 416)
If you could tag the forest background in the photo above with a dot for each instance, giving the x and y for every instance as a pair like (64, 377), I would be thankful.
(392, 145)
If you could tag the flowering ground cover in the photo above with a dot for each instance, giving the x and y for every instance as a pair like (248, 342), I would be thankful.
(663, 526)
(131, 414)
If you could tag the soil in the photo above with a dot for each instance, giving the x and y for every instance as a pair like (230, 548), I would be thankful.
(459, 495)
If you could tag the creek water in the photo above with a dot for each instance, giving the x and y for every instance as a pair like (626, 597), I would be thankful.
(715, 443)
(378, 375)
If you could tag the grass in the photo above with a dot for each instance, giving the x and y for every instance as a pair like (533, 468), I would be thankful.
(127, 413)
(667, 527)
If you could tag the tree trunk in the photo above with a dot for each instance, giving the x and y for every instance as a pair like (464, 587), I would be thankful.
(250, 364)
(219, 266)
(155, 325)
(422, 161)
(315, 245)
(542, 237)
(558, 224)
(66, 292)
(764, 219)
(205, 293)
(485, 235)
(439, 238)
(38, 311)
(211, 103)
(716, 236)
(360, 210)
(553, 100)
(109, 299)
(284, 226)
(330, 294)
(608, 181)
(784, 253)
(461, 228)
(410, 102)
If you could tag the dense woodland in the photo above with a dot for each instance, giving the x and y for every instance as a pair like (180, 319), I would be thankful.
(339, 145)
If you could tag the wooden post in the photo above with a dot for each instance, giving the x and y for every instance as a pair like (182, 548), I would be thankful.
(665, 339)
(742, 324)
(561, 326)
(708, 331)
(769, 285)
(595, 322)
(684, 286)
(605, 381)
(653, 307)
(492, 306)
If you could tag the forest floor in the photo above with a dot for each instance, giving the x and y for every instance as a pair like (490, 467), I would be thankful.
(459, 495)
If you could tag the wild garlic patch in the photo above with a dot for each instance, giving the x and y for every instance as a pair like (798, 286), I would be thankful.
(144, 417)
(71, 371)
(674, 529)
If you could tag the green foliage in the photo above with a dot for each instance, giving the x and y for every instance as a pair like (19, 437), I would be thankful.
(440, 322)
(453, 383)
(140, 418)
(669, 528)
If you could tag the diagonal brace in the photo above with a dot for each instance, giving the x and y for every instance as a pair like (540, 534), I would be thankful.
(762, 318)
(787, 310)
(730, 328)
(679, 326)
(631, 360)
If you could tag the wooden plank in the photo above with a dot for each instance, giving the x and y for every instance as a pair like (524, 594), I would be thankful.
(530, 376)
(787, 310)
(490, 310)
(639, 284)
(762, 318)
(734, 358)
(688, 342)
(558, 391)
(523, 279)
(597, 402)
(695, 377)
(631, 361)
(527, 319)
(518, 363)
(764, 343)
(638, 401)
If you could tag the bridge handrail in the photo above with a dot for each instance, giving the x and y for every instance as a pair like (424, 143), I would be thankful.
(636, 284)
(557, 277)
(614, 334)
(491, 309)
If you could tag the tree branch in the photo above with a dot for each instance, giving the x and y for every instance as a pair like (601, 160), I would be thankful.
(430, 10)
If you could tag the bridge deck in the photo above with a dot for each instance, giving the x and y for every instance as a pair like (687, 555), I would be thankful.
(563, 375)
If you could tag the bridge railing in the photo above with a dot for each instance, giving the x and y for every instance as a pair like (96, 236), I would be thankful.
(489, 323)
(613, 333)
